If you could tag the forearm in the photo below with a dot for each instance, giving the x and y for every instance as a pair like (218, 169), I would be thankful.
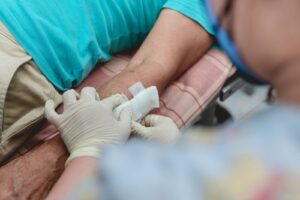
(174, 44)
(76, 172)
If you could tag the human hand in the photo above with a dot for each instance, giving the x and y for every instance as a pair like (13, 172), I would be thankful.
(87, 123)
(157, 128)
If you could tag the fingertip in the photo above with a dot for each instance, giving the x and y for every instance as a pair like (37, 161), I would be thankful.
(49, 105)
(89, 93)
(124, 97)
(70, 92)
(119, 96)
(117, 100)
(135, 126)
(133, 122)
(69, 97)
(49, 102)
(49, 111)
(147, 121)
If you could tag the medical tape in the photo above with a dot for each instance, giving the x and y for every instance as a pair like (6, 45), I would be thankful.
(136, 89)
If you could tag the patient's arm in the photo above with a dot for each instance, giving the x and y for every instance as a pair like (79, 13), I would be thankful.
(77, 171)
(173, 45)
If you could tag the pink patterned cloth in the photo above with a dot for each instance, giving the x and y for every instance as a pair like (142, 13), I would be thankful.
(186, 97)
(182, 101)
(41, 160)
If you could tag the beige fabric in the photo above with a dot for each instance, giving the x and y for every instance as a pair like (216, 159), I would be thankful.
(23, 92)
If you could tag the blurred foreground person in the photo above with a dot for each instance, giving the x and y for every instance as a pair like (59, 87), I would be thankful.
(257, 158)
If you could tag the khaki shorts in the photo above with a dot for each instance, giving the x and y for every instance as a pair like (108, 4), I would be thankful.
(23, 93)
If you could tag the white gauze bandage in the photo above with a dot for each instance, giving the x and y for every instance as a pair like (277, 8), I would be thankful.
(142, 103)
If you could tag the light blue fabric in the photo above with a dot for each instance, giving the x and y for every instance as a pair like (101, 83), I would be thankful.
(270, 140)
(66, 38)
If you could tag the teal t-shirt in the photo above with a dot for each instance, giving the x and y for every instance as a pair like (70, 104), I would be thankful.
(66, 38)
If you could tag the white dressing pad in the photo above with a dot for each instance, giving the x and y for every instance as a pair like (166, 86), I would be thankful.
(136, 88)
(145, 101)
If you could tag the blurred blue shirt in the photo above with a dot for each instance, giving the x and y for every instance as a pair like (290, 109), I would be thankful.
(256, 159)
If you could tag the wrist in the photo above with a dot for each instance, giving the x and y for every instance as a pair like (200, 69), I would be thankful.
(82, 161)
(84, 152)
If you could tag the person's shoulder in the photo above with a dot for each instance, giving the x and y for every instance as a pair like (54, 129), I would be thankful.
(193, 9)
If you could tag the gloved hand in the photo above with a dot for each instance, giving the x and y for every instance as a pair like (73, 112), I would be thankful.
(87, 123)
(157, 128)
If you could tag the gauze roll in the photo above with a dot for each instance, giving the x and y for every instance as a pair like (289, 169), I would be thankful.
(144, 101)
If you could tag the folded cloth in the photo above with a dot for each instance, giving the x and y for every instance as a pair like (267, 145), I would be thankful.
(182, 101)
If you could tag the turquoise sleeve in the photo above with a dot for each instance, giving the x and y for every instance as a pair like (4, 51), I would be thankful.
(194, 9)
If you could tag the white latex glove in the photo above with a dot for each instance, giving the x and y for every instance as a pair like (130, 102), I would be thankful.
(157, 128)
(87, 124)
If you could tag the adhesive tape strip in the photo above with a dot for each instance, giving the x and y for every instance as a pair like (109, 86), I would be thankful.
(136, 88)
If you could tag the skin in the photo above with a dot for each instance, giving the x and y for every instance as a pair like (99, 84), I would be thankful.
(267, 36)
(174, 44)
(266, 33)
